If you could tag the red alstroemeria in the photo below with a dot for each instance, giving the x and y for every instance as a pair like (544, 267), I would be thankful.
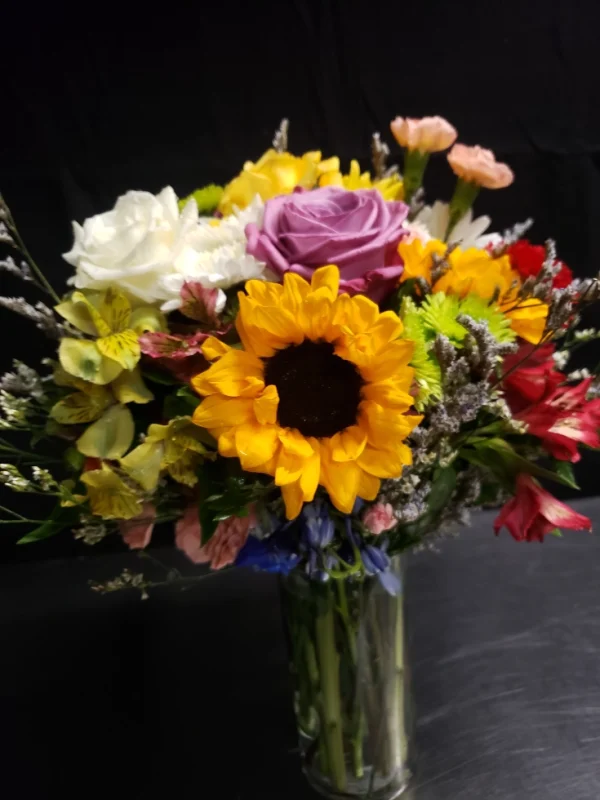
(531, 375)
(171, 345)
(564, 420)
(533, 512)
(200, 303)
(528, 258)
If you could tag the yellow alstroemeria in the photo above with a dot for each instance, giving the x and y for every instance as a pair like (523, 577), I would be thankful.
(390, 188)
(176, 448)
(109, 318)
(274, 173)
(109, 496)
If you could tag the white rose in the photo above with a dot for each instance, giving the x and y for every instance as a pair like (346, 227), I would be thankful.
(147, 248)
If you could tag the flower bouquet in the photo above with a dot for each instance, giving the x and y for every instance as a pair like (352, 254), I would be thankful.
(308, 372)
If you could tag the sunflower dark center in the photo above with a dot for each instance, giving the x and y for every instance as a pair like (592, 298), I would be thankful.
(319, 392)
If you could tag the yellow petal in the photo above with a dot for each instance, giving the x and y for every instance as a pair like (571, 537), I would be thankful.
(236, 374)
(384, 463)
(342, 481)
(368, 486)
(292, 497)
(294, 442)
(78, 315)
(310, 476)
(219, 412)
(214, 348)
(90, 304)
(147, 319)
(115, 309)
(327, 278)
(109, 496)
(81, 358)
(289, 468)
(255, 444)
(143, 464)
(264, 292)
(81, 406)
(348, 444)
(129, 387)
(295, 290)
(185, 469)
(265, 406)
(110, 437)
(121, 347)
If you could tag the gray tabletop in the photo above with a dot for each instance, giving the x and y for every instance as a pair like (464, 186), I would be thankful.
(187, 694)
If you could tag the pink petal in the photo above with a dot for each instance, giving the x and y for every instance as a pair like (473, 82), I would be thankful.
(137, 532)
(199, 303)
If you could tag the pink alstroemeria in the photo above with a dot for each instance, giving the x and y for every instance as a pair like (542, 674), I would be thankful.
(172, 345)
(564, 420)
(533, 512)
(137, 532)
(200, 304)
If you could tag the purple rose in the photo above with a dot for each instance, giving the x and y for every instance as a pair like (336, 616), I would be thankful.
(358, 231)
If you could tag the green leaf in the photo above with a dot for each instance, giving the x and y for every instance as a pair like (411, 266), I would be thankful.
(74, 459)
(157, 376)
(444, 483)
(49, 528)
(500, 458)
(556, 532)
(565, 470)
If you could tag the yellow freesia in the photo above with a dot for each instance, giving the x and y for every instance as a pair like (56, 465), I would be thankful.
(109, 318)
(274, 173)
(390, 188)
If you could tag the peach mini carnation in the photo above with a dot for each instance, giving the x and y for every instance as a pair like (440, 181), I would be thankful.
(478, 165)
(379, 518)
(428, 135)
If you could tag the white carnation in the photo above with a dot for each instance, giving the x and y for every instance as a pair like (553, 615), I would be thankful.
(468, 232)
(147, 248)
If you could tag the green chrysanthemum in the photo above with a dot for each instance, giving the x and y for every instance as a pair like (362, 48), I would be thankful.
(207, 199)
(428, 375)
(439, 312)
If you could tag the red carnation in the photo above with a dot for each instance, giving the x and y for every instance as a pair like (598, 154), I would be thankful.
(531, 375)
(563, 420)
(533, 512)
(528, 258)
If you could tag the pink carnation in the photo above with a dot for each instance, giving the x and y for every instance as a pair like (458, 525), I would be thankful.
(428, 135)
(477, 165)
(379, 518)
(224, 545)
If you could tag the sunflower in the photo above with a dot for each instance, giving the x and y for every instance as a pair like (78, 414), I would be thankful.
(477, 272)
(319, 394)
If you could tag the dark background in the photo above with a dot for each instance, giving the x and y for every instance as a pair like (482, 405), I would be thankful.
(98, 100)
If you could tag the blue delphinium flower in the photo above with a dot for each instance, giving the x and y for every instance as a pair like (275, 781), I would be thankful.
(316, 534)
(374, 558)
(275, 553)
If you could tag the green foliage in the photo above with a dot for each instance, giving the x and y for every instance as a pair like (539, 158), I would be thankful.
(207, 199)
(224, 495)
(59, 519)
(427, 371)
(503, 461)
(565, 470)
(439, 312)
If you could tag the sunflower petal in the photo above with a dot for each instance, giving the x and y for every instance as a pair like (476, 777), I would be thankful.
(294, 442)
(223, 412)
(265, 406)
(348, 444)
(214, 348)
(327, 278)
(368, 486)
(289, 468)
(293, 498)
(255, 444)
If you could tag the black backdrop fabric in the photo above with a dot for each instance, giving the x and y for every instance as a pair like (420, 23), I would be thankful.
(100, 100)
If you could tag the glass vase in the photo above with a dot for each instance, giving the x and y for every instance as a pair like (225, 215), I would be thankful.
(347, 656)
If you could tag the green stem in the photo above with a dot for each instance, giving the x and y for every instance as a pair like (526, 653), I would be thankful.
(462, 200)
(329, 662)
(414, 169)
(357, 714)
(44, 283)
